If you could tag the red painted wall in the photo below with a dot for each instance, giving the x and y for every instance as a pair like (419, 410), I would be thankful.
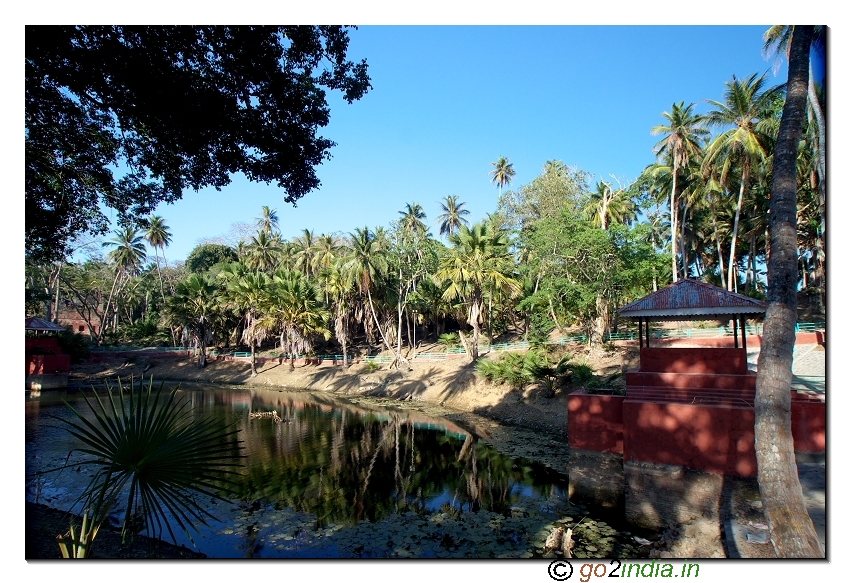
(691, 381)
(714, 438)
(47, 343)
(808, 422)
(694, 360)
(595, 422)
(47, 363)
(704, 437)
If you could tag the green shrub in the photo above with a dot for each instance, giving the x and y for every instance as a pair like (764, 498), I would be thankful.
(372, 366)
(449, 339)
(581, 374)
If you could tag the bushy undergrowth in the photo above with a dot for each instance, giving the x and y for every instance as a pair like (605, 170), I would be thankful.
(537, 367)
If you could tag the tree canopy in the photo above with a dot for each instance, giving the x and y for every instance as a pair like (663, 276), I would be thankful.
(126, 117)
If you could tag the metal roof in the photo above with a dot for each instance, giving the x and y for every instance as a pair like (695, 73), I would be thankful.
(689, 299)
(42, 325)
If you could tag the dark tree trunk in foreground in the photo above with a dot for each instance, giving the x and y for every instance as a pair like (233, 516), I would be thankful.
(791, 528)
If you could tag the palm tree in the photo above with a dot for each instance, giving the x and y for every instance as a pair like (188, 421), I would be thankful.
(502, 173)
(745, 111)
(305, 252)
(683, 138)
(191, 306)
(365, 264)
(263, 252)
(412, 218)
(339, 289)
(158, 236)
(479, 261)
(268, 221)
(605, 206)
(249, 295)
(777, 40)
(327, 248)
(296, 308)
(453, 216)
(128, 255)
(791, 529)
(128, 252)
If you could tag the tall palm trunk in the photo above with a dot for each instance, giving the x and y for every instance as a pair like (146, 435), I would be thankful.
(673, 215)
(792, 532)
(398, 358)
(716, 236)
(732, 280)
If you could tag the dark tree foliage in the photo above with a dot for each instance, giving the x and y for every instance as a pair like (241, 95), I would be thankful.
(205, 256)
(126, 117)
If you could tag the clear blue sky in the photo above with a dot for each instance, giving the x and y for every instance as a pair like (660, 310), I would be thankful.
(449, 100)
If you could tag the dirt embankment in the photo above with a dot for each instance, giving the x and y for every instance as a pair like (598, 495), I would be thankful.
(449, 385)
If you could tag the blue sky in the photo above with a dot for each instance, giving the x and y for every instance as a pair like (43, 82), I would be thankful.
(449, 100)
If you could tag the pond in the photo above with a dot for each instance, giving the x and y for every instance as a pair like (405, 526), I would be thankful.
(329, 478)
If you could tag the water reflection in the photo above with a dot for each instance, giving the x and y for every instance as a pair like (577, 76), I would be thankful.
(323, 465)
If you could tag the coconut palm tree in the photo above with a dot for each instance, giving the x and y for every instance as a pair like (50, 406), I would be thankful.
(606, 206)
(366, 263)
(268, 221)
(684, 137)
(412, 218)
(263, 252)
(791, 529)
(158, 236)
(478, 262)
(128, 253)
(777, 41)
(502, 173)
(305, 252)
(127, 257)
(452, 217)
(746, 112)
(340, 295)
(327, 248)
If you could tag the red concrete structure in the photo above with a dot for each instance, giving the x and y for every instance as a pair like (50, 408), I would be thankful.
(688, 406)
(46, 366)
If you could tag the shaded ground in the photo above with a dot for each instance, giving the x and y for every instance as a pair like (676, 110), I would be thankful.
(43, 524)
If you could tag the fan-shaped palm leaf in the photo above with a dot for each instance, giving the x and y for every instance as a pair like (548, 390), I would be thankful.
(150, 448)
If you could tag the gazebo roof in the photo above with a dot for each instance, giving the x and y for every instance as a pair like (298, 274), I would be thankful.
(40, 325)
(689, 299)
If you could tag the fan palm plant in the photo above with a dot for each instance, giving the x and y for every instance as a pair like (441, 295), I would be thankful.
(147, 446)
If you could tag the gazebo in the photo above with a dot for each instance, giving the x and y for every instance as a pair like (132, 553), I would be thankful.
(689, 299)
(688, 413)
(39, 325)
(47, 367)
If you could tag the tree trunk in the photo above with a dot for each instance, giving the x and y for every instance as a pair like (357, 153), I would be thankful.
(673, 215)
(792, 532)
(733, 267)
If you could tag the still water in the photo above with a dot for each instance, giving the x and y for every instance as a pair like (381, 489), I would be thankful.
(332, 479)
